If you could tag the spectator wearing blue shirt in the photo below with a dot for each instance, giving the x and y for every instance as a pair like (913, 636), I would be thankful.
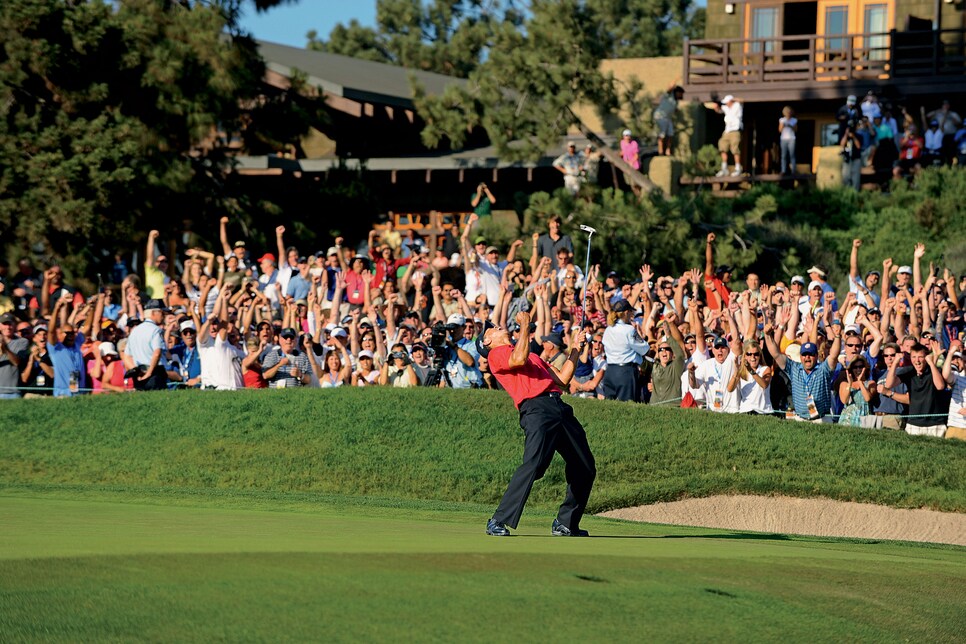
(70, 377)
(811, 380)
(299, 284)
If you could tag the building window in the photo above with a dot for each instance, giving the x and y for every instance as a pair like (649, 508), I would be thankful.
(764, 24)
(836, 22)
(874, 22)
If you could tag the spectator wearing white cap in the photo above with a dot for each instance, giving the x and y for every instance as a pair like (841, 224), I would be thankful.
(185, 356)
(846, 113)
(730, 141)
(570, 164)
(107, 372)
(238, 250)
(630, 150)
(220, 359)
(146, 346)
(37, 373)
(366, 374)
(817, 274)
(268, 279)
(459, 360)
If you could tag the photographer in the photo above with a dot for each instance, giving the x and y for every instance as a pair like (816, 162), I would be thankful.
(398, 372)
(851, 145)
(482, 200)
(459, 356)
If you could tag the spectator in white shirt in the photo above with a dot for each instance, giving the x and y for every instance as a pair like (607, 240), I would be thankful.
(730, 141)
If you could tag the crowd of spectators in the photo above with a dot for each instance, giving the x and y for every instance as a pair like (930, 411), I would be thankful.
(892, 141)
(886, 352)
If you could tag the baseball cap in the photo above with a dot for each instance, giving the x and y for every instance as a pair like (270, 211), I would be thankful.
(107, 349)
(851, 328)
(8, 318)
(155, 305)
(239, 244)
(491, 249)
(724, 268)
(816, 269)
(332, 251)
(727, 99)
(621, 307)
(188, 324)
(457, 319)
(419, 346)
(480, 239)
(553, 338)
(339, 332)
(267, 257)
(482, 349)
(809, 349)
(851, 99)
(40, 327)
(720, 342)
(905, 269)
(288, 333)
(798, 279)
(626, 133)
(365, 353)
(814, 284)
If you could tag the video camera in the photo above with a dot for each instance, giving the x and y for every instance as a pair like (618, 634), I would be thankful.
(442, 337)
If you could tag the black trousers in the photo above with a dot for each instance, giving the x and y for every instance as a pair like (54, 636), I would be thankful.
(549, 426)
(620, 382)
(157, 381)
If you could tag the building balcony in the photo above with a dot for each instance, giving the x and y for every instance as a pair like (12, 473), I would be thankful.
(789, 68)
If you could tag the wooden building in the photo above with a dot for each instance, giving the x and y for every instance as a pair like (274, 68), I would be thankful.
(812, 54)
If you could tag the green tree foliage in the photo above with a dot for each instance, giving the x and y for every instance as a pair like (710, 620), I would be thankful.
(443, 36)
(645, 28)
(106, 110)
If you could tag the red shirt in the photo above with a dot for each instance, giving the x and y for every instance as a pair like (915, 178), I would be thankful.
(724, 293)
(522, 383)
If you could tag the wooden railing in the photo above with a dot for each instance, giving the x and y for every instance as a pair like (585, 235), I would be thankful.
(818, 59)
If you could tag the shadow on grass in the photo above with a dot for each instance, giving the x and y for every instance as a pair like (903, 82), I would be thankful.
(736, 535)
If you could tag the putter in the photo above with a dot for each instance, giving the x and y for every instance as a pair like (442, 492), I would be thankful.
(590, 233)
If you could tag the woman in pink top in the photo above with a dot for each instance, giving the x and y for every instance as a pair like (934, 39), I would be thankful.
(630, 151)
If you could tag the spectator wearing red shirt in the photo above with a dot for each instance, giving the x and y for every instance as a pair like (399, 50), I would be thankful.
(385, 261)
(715, 280)
(548, 424)
(910, 153)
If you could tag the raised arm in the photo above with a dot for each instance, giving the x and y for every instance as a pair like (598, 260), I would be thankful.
(709, 255)
(149, 250)
(280, 246)
(916, 269)
(520, 353)
(223, 236)
(854, 259)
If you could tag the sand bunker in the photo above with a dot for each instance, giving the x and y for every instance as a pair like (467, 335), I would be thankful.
(818, 517)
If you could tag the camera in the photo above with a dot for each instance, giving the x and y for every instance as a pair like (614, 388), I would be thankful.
(442, 336)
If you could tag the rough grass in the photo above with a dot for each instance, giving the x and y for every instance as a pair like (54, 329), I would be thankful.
(452, 446)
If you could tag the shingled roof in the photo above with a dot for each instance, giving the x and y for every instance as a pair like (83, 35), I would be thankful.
(359, 80)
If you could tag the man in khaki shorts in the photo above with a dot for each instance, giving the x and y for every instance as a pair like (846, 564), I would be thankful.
(730, 141)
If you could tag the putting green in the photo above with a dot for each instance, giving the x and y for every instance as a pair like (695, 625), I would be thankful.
(108, 568)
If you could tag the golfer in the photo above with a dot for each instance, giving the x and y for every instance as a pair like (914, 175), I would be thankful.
(548, 425)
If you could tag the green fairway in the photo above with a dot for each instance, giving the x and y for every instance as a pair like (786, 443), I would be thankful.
(103, 567)
(307, 515)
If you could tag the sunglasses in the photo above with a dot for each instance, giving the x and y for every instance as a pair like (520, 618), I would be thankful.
(888, 355)
(753, 355)
(188, 332)
(853, 345)
(813, 355)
